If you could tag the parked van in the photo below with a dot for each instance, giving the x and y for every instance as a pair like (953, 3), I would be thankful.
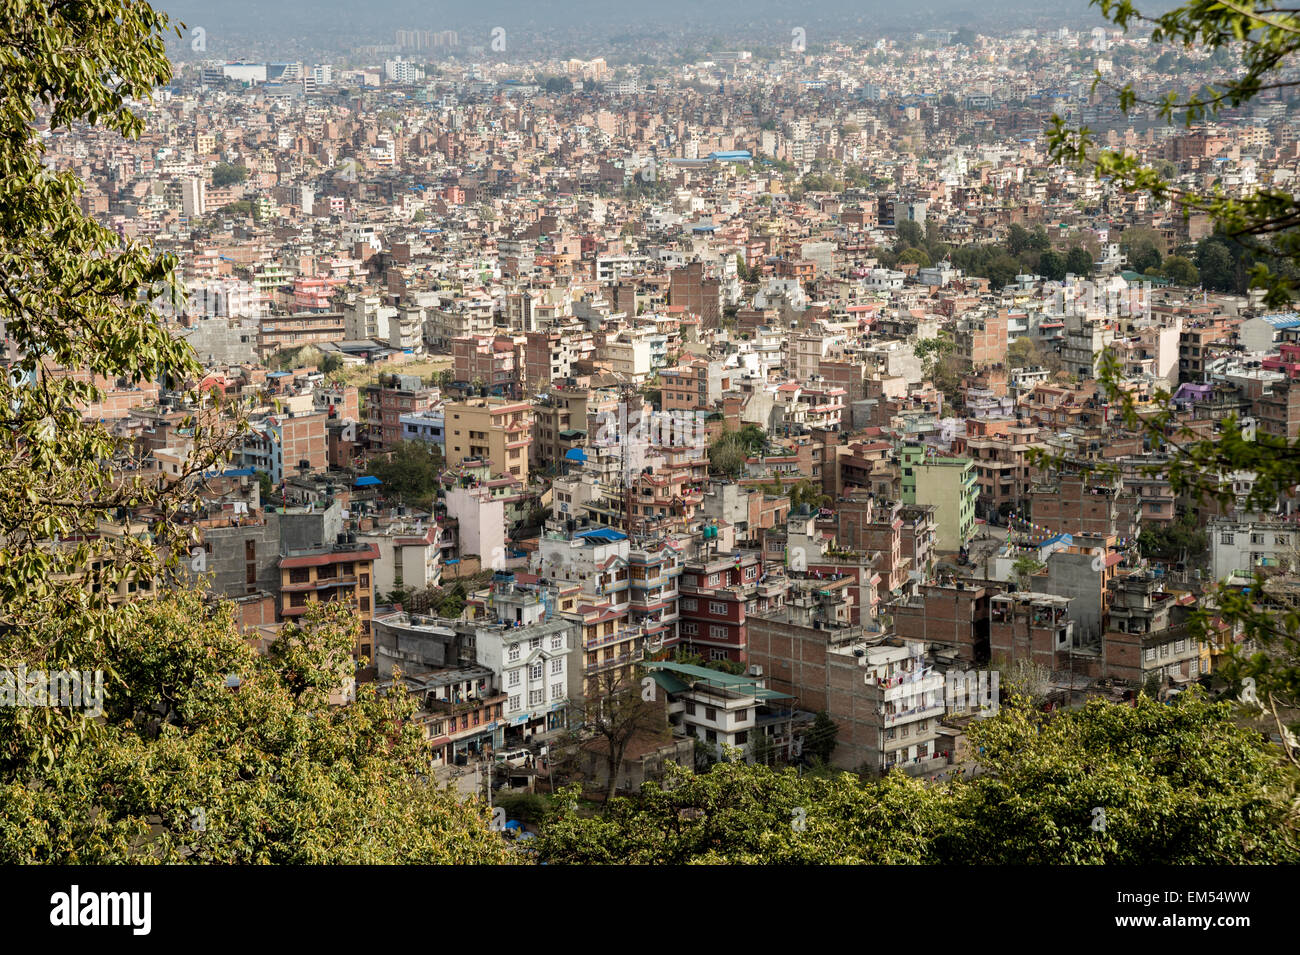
(515, 757)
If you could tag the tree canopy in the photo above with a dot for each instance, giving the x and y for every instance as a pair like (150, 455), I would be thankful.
(1106, 784)
(204, 750)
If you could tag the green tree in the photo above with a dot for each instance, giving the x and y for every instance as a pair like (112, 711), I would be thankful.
(210, 752)
(750, 815)
(822, 737)
(1105, 784)
(1002, 271)
(410, 473)
(1179, 540)
(1266, 38)
(1142, 247)
(1024, 569)
(1175, 785)
(615, 712)
(909, 233)
(1079, 261)
(1215, 264)
(914, 256)
(1256, 242)
(728, 454)
(1051, 266)
(264, 485)
(205, 751)
(1180, 270)
(228, 174)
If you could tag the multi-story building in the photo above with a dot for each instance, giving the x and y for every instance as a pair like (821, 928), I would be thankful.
(1242, 547)
(490, 429)
(725, 711)
(278, 332)
(490, 363)
(343, 572)
(947, 484)
(1000, 449)
(460, 712)
(385, 401)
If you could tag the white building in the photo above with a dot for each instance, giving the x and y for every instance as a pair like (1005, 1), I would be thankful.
(194, 197)
(1242, 547)
(527, 645)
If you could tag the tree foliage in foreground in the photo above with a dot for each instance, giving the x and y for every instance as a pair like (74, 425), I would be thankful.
(1256, 230)
(1174, 784)
(180, 765)
(211, 752)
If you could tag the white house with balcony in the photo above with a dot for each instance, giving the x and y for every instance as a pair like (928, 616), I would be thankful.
(527, 645)
(724, 710)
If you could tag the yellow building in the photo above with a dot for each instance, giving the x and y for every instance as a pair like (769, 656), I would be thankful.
(490, 429)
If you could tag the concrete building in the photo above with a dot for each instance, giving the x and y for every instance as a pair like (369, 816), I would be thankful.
(947, 484)
(490, 429)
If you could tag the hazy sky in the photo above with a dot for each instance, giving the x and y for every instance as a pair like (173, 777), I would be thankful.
(383, 16)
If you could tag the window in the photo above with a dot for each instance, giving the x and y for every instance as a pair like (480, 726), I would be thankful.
(514, 652)
(690, 629)
(513, 679)
(710, 714)
(690, 708)
(1257, 538)
(534, 643)
(710, 736)
(741, 715)
(719, 633)
(535, 672)
(742, 737)
(688, 603)
(717, 607)
(514, 702)
(556, 642)
(536, 697)
(557, 691)
(1225, 538)
(557, 665)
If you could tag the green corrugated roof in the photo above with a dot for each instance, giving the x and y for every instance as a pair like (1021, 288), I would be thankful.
(714, 677)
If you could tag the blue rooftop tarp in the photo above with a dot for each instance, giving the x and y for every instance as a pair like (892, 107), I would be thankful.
(575, 454)
(367, 481)
(606, 534)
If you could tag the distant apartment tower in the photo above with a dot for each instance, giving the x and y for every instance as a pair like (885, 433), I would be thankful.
(194, 197)
(426, 39)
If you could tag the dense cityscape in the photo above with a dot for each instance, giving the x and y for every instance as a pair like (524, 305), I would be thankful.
(652, 406)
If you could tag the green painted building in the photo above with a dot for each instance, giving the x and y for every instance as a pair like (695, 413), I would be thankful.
(946, 483)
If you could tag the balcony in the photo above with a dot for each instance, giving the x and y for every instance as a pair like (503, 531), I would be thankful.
(634, 657)
(618, 636)
(915, 713)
